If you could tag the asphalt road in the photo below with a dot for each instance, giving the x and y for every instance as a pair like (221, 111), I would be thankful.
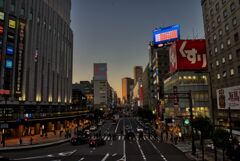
(148, 149)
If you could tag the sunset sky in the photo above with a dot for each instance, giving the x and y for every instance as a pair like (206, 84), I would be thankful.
(118, 32)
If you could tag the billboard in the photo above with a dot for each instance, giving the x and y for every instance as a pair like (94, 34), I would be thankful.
(228, 97)
(188, 55)
(166, 34)
(100, 71)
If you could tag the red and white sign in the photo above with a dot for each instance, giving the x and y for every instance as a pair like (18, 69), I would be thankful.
(188, 55)
(229, 97)
(4, 92)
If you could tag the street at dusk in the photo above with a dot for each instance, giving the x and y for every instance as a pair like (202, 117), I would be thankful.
(119, 80)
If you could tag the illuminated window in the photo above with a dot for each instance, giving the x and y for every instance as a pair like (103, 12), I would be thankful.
(1, 16)
(12, 24)
(217, 63)
(9, 64)
(10, 49)
(216, 49)
(220, 32)
(218, 76)
(234, 21)
(232, 71)
(223, 60)
(228, 42)
(226, 27)
(214, 37)
(230, 56)
(222, 46)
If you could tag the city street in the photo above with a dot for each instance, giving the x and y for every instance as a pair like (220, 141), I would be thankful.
(120, 149)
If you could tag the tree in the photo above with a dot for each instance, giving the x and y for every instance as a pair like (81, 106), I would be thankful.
(220, 139)
(204, 125)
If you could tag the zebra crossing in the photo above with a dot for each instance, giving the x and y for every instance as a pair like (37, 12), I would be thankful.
(122, 137)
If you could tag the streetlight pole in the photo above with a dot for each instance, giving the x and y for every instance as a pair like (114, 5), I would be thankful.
(191, 118)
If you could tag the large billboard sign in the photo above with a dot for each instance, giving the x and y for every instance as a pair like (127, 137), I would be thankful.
(228, 97)
(188, 55)
(100, 71)
(166, 35)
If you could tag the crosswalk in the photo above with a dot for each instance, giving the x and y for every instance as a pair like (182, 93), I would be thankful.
(122, 137)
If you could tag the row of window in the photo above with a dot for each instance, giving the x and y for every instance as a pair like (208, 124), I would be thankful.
(228, 42)
(224, 73)
(226, 27)
(229, 58)
(225, 12)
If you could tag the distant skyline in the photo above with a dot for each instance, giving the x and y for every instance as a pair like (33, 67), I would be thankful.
(118, 32)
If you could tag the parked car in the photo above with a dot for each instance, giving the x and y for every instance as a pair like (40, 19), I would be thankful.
(79, 140)
(96, 141)
(93, 128)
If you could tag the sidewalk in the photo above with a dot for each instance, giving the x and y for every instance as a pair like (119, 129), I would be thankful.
(186, 147)
(37, 141)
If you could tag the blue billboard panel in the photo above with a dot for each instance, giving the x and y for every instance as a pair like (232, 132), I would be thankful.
(166, 34)
(9, 64)
(10, 49)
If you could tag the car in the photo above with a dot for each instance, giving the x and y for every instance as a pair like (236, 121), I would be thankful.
(129, 134)
(79, 140)
(96, 141)
(139, 129)
(93, 128)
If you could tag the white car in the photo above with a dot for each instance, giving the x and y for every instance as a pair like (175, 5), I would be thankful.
(139, 129)
(93, 128)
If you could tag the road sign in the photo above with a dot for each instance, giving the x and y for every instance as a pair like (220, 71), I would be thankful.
(4, 126)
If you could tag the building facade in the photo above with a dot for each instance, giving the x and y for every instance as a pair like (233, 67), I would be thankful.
(137, 72)
(158, 66)
(222, 30)
(126, 89)
(36, 60)
(146, 87)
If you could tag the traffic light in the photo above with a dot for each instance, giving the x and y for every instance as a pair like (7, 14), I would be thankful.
(186, 121)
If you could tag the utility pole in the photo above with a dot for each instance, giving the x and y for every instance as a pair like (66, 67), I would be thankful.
(191, 118)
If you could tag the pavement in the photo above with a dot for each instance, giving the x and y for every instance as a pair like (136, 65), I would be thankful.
(37, 141)
(186, 147)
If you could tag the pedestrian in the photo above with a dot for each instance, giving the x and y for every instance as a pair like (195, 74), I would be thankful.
(20, 141)
(31, 140)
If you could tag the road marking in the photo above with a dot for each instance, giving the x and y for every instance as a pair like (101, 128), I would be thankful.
(105, 137)
(163, 157)
(82, 159)
(144, 138)
(114, 154)
(140, 148)
(67, 153)
(117, 126)
(124, 158)
(105, 157)
(119, 137)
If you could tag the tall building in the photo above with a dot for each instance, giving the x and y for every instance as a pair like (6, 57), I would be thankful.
(146, 87)
(100, 85)
(158, 66)
(36, 59)
(126, 89)
(137, 71)
(222, 29)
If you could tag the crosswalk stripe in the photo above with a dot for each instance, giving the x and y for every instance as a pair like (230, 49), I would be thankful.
(108, 138)
(105, 137)
(119, 137)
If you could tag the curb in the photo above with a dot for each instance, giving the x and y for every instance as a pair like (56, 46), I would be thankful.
(33, 146)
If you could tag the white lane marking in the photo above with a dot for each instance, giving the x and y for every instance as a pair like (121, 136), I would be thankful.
(119, 137)
(114, 154)
(105, 157)
(105, 137)
(140, 148)
(82, 159)
(144, 138)
(108, 138)
(56, 160)
(163, 157)
(67, 153)
(117, 126)
(124, 158)
(36, 157)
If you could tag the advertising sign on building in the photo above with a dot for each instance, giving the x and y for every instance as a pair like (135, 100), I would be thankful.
(228, 97)
(166, 34)
(188, 55)
(100, 71)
